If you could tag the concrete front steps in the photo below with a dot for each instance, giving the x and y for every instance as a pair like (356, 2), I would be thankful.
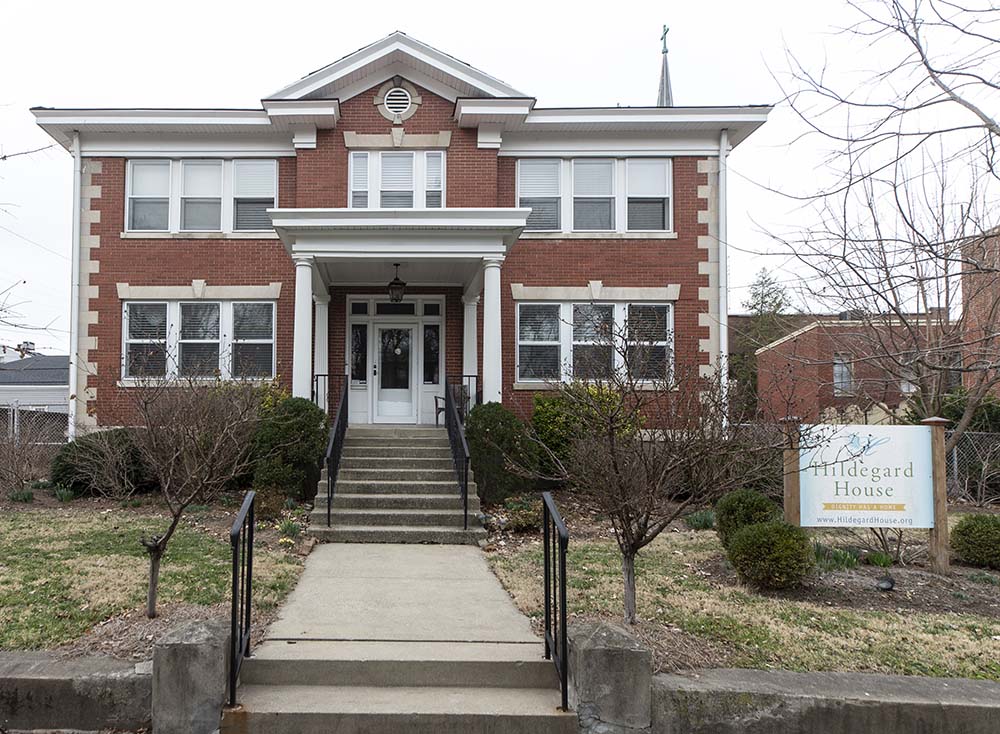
(396, 485)
(362, 687)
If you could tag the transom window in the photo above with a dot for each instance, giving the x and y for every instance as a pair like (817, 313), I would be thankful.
(397, 179)
(564, 341)
(227, 339)
(195, 195)
(596, 194)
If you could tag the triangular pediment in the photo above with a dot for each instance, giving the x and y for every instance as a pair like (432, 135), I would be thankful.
(396, 55)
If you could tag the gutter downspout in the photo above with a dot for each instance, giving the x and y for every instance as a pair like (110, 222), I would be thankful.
(74, 305)
(723, 279)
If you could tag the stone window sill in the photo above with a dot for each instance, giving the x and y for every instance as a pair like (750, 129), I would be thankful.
(255, 235)
(529, 235)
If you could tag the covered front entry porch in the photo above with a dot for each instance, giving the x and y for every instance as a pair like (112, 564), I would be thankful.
(391, 356)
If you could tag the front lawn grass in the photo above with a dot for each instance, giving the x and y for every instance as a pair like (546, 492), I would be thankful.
(693, 615)
(64, 570)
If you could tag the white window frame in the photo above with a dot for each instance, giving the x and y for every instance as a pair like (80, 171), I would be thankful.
(669, 213)
(559, 195)
(615, 198)
(667, 343)
(574, 341)
(566, 337)
(181, 340)
(173, 340)
(273, 341)
(126, 340)
(558, 343)
(374, 161)
(841, 388)
(129, 197)
(174, 199)
(181, 197)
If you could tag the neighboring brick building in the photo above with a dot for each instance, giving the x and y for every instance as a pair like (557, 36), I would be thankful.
(830, 366)
(260, 242)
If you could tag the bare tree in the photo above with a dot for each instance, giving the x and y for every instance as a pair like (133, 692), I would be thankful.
(651, 438)
(901, 234)
(196, 437)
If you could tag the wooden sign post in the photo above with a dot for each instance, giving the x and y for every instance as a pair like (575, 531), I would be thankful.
(940, 557)
(793, 505)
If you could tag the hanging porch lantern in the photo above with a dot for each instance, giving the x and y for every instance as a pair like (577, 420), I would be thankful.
(396, 287)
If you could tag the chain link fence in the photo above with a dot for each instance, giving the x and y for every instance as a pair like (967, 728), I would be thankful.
(974, 469)
(30, 436)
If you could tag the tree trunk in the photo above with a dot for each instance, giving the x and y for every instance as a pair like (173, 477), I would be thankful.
(628, 576)
(155, 554)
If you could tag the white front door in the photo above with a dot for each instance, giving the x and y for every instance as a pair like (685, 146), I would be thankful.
(395, 391)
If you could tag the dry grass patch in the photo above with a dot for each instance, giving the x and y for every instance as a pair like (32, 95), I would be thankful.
(694, 613)
(66, 574)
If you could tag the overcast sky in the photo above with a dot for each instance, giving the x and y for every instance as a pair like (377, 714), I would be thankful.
(221, 54)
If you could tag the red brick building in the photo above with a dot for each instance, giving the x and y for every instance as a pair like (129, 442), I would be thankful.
(260, 243)
(830, 365)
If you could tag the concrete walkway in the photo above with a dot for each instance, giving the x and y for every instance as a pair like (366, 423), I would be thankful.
(372, 592)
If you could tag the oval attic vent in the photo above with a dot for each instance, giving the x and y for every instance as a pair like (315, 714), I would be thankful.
(397, 100)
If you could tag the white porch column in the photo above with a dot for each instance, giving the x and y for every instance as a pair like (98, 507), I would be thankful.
(321, 347)
(302, 329)
(470, 347)
(492, 347)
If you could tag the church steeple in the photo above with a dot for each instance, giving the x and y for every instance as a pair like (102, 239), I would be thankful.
(665, 98)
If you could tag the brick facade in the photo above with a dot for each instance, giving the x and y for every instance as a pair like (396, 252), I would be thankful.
(476, 177)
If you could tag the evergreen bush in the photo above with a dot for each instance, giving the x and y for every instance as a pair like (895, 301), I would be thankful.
(771, 555)
(740, 508)
(976, 540)
(496, 435)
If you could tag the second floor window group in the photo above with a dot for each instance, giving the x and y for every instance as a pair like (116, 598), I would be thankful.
(397, 179)
(596, 194)
(201, 195)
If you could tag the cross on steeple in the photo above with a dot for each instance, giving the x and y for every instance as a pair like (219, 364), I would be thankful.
(665, 96)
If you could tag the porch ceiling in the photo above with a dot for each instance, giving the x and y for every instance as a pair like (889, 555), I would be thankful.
(416, 272)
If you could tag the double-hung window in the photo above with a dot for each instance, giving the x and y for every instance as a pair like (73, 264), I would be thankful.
(434, 174)
(254, 188)
(199, 343)
(593, 345)
(149, 196)
(359, 180)
(594, 195)
(145, 340)
(201, 195)
(198, 339)
(649, 183)
(253, 339)
(538, 188)
(396, 184)
(539, 355)
(649, 334)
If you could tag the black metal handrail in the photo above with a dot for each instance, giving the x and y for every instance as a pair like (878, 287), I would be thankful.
(334, 448)
(459, 446)
(556, 541)
(241, 541)
(466, 394)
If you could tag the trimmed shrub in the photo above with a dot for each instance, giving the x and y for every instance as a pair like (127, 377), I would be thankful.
(740, 508)
(496, 435)
(289, 445)
(71, 467)
(700, 520)
(771, 555)
(976, 540)
(554, 425)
